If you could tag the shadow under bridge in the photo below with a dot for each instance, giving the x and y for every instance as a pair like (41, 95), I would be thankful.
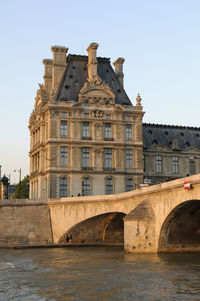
(101, 229)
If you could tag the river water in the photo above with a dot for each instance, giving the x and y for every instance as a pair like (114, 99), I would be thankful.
(97, 273)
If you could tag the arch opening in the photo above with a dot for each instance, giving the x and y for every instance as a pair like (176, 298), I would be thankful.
(180, 231)
(101, 229)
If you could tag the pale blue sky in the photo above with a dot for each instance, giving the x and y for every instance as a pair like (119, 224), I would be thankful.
(158, 38)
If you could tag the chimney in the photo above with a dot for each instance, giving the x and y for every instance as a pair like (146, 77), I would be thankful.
(118, 64)
(47, 75)
(92, 63)
(58, 66)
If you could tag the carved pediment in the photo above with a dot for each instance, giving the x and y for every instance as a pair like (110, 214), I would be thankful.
(192, 150)
(160, 147)
(96, 90)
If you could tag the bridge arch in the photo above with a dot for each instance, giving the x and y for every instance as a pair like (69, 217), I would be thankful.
(104, 228)
(180, 231)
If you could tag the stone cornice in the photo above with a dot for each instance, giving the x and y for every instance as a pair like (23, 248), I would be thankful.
(59, 49)
(47, 61)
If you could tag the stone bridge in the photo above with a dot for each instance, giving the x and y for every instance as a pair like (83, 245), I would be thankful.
(159, 218)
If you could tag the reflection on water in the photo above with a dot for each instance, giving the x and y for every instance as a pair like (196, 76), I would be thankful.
(97, 274)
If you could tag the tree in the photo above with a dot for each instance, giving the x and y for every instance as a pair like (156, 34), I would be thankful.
(22, 189)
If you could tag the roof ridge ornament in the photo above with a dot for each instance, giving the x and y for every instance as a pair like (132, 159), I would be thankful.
(138, 100)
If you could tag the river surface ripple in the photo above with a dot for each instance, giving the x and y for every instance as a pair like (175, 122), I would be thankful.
(97, 273)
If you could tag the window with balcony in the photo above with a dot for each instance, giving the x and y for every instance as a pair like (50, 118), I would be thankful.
(63, 187)
(128, 132)
(129, 158)
(63, 156)
(63, 128)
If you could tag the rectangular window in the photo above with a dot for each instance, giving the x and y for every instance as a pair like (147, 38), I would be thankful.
(175, 164)
(64, 114)
(108, 158)
(109, 186)
(85, 129)
(63, 187)
(86, 115)
(63, 156)
(158, 163)
(192, 166)
(86, 186)
(128, 133)
(107, 116)
(63, 128)
(144, 163)
(85, 157)
(129, 184)
(107, 132)
(129, 158)
(128, 118)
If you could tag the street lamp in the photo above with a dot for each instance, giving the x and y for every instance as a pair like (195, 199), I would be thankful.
(20, 174)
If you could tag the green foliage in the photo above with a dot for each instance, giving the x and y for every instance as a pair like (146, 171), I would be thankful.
(22, 189)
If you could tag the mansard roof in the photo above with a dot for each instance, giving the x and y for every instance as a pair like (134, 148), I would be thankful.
(175, 137)
(76, 75)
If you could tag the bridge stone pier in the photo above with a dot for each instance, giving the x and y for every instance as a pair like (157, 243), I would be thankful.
(159, 218)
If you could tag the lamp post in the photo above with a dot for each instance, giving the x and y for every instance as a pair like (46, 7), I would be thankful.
(20, 174)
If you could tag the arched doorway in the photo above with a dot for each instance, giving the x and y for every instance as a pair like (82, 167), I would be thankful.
(180, 231)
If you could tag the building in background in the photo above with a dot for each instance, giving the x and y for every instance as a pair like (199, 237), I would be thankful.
(86, 136)
(170, 152)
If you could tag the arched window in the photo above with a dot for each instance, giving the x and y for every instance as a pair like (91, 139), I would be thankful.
(63, 187)
(129, 184)
(109, 186)
(86, 186)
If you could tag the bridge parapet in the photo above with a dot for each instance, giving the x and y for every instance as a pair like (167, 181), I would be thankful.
(31, 222)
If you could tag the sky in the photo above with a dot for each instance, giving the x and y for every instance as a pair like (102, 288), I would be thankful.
(159, 40)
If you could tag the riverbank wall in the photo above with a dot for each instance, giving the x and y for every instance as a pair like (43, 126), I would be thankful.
(25, 223)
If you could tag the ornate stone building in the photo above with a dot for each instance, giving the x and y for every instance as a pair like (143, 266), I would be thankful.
(170, 152)
(86, 136)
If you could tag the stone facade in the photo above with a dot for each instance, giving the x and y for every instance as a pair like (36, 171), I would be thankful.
(170, 152)
(86, 136)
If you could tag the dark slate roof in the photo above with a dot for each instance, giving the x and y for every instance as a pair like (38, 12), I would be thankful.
(165, 135)
(76, 75)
